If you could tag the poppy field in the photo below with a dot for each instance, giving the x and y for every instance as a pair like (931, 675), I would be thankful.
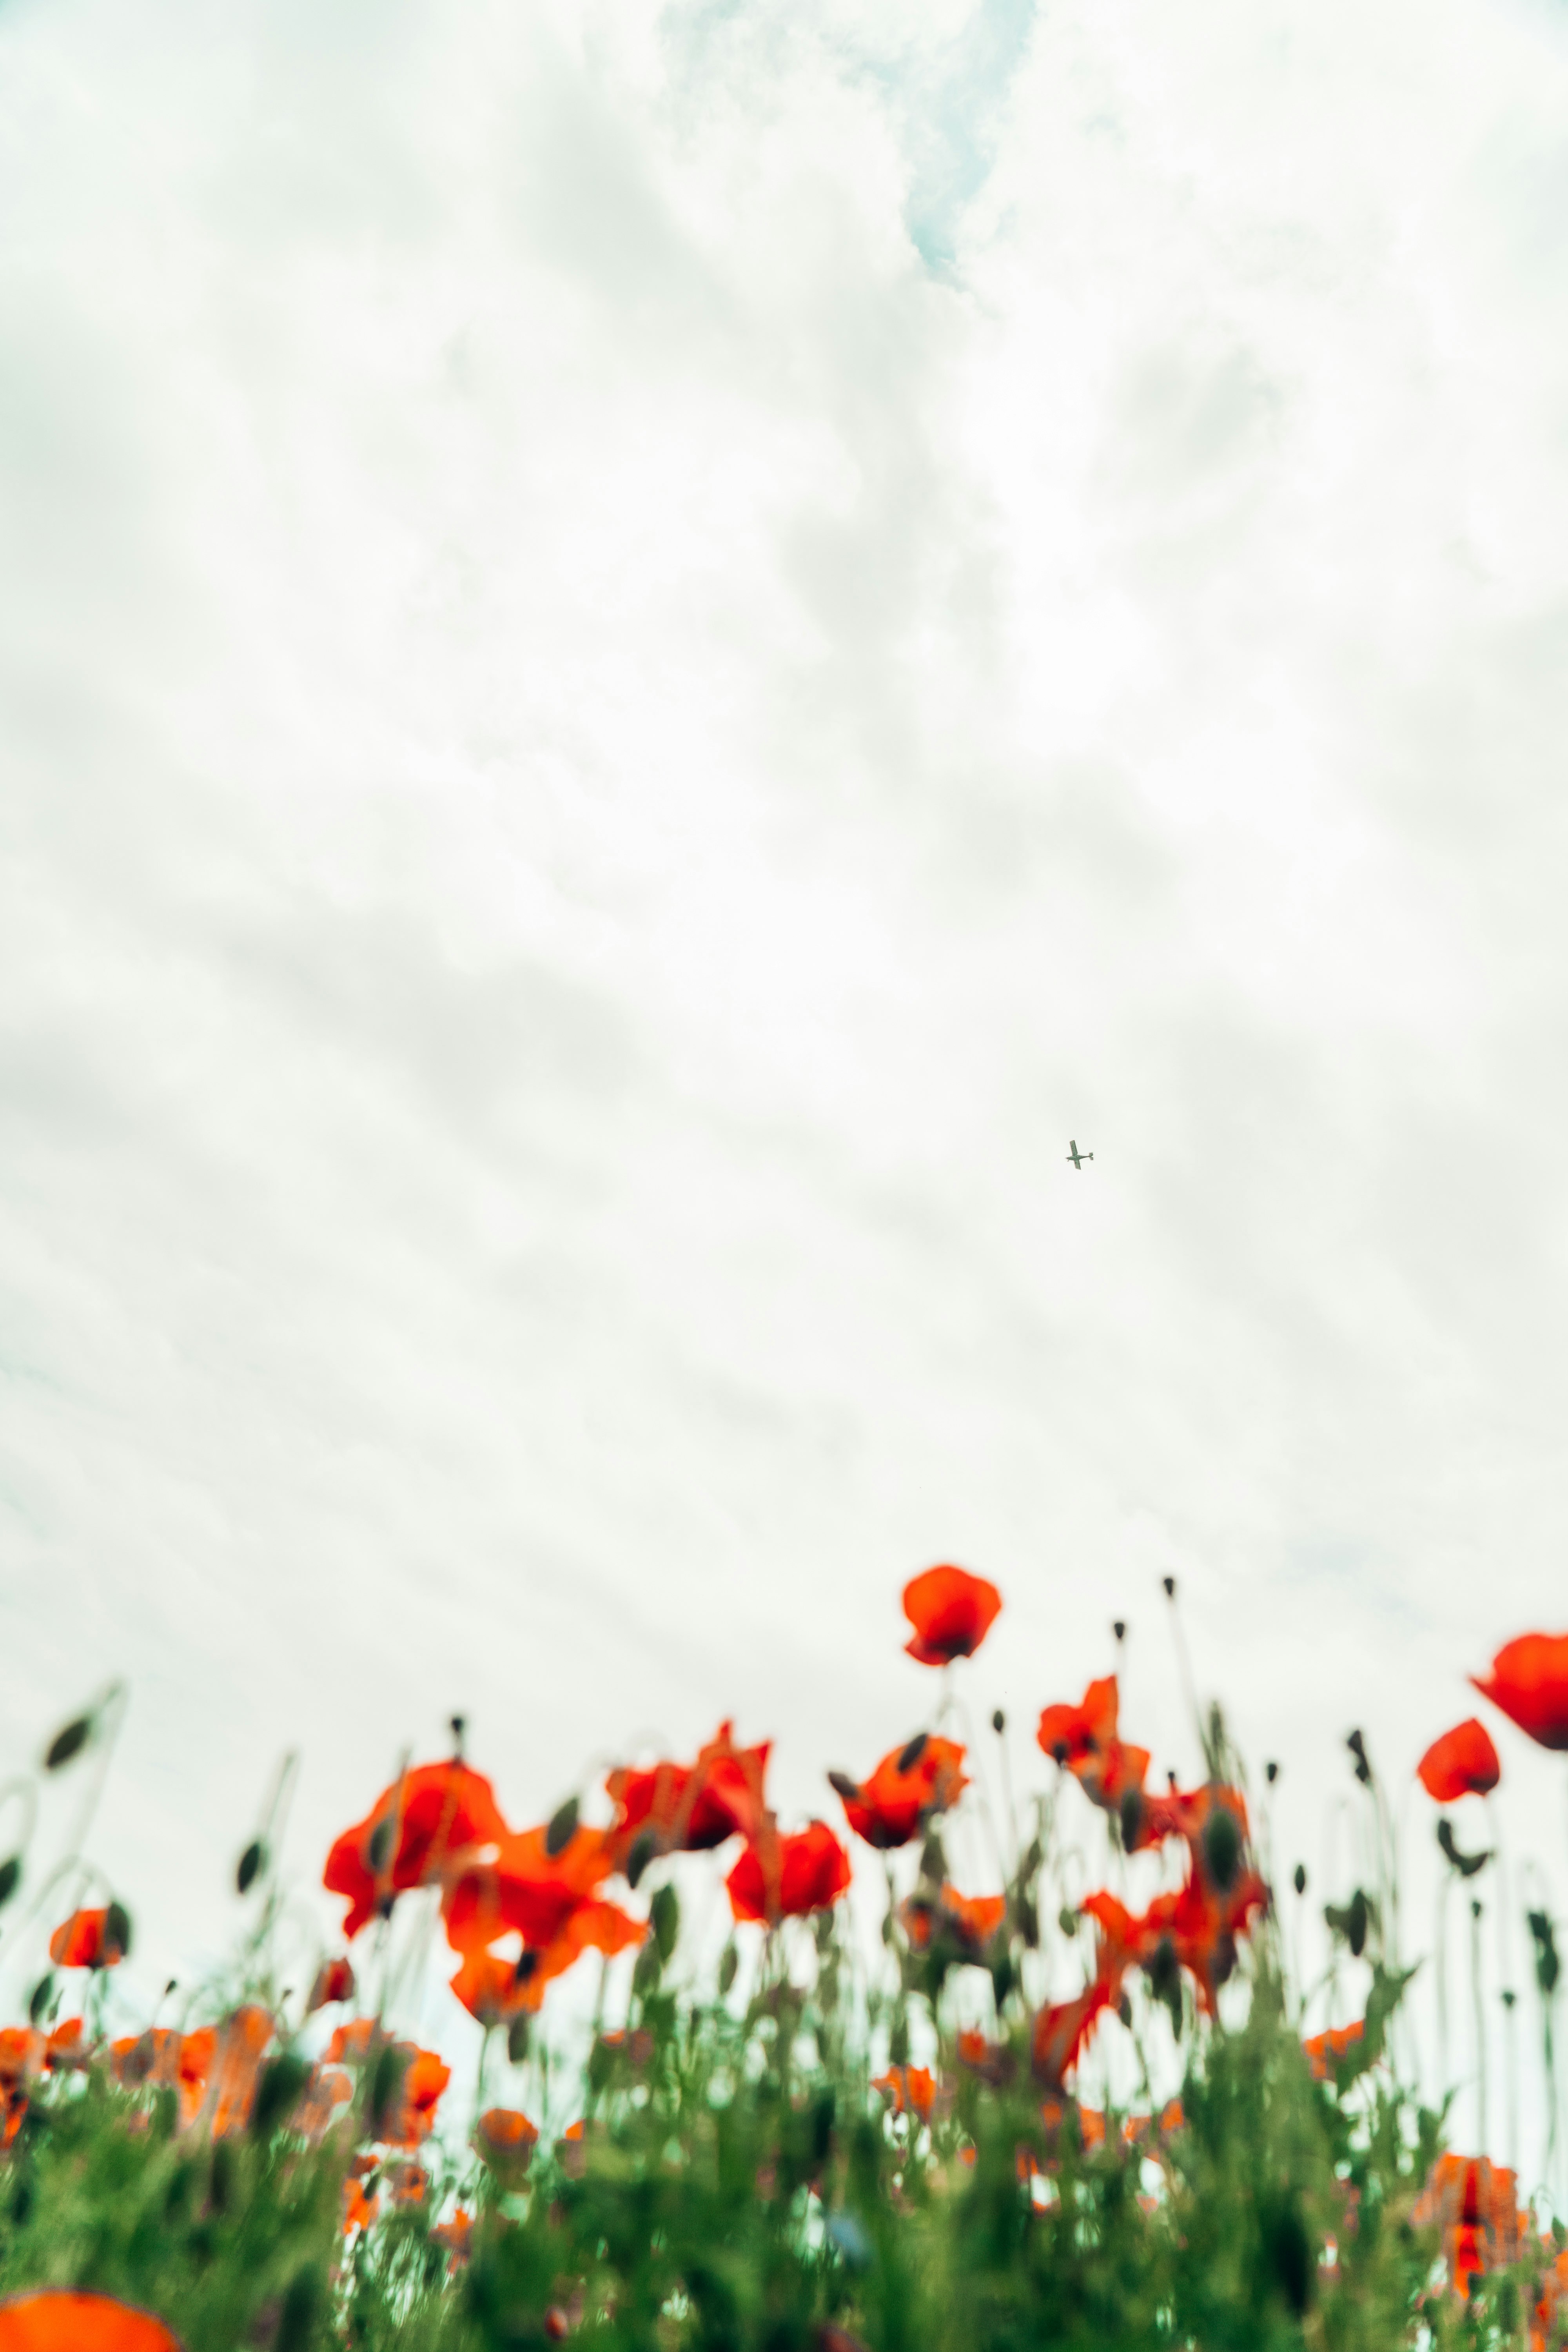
(1022, 2114)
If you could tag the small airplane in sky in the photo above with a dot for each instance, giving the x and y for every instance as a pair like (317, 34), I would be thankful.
(1078, 1157)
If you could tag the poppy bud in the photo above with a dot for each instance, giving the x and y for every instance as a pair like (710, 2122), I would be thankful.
(378, 1850)
(933, 1861)
(1298, 1879)
(1028, 1921)
(1222, 1846)
(1119, 1627)
(386, 2088)
(729, 1961)
(644, 1846)
(1475, 1909)
(517, 2038)
(459, 1730)
(1508, 1999)
(1067, 1920)
(278, 2092)
(1132, 1818)
(68, 1741)
(664, 1916)
(998, 1722)
(843, 1785)
(10, 1877)
(562, 1828)
(910, 1756)
(1271, 1773)
(116, 1932)
(1124, 2010)
(251, 1862)
(1169, 1583)
(39, 1999)
(1547, 1964)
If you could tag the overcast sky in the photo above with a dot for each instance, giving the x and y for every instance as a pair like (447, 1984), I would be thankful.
(647, 649)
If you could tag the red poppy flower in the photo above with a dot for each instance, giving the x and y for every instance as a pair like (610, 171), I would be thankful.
(966, 1922)
(327, 2089)
(690, 1808)
(64, 2320)
(494, 1987)
(455, 2234)
(88, 1939)
(526, 1888)
(67, 2047)
(1462, 1763)
(1083, 1739)
(360, 2206)
(1475, 2204)
(909, 2090)
(353, 2040)
(1062, 2031)
(1529, 1681)
(787, 1877)
(241, 2043)
(909, 1785)
(411, 1836)
(334, 1983)
(952, 1612)
(1324, 2051)
(425, 2077)
(505, 2136)
(21, 2057)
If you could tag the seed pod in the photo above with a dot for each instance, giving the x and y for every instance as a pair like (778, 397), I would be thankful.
(1131, 1818)
(68, 1741)
(562, 1828)
(251, 1862)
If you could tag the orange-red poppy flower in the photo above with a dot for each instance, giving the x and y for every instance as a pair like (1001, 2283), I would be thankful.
(526, 1888)
(1462, 1763)
(952, 1612)
(425, 2077)
(787, 1877)
(163, 2059)
(506, 2135)
(1475, 2204)
(242, 2043)
(1324, 2051)
(327, 2089)
(966, 1923)
(494, 1987)
(21, 2057)
(1061, 2032)
(361, 2206)
(909, 1786)
(88, 1939)
(354, 2040)
(1529, 1681)
(909, 2090)
(412, 1833)
(1083, 1741)
(455, 2233)
(690, 1808)
(67, 2047)
(334, 1983)
(63, 2319)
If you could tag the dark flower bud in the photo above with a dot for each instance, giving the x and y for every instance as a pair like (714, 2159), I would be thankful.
(1169, 1582)
(664, 1918)
(1507, 1998)
(644, 1846)
(517, 2038)
(998, 1722)
(1548, 1966)
(68, 1741)
(1119, 1627)
(278, 2092)
(1132, 1818)
(1067, 1921)
(1222, 1847)
(251, 1862)
(39, 1997)
(1271, 1773)
(1124, 2010)
(460, 1732)
(117, 1930)
(843, 1785)
(527, 1967)
(10, 1877)
(562, 1828)
(1298, 1879)
(378, 1848)
(1475, 1909)
(910, 1756)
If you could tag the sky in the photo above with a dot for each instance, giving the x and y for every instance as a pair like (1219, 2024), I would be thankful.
(647, 651)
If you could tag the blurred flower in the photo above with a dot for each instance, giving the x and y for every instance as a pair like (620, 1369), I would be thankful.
(62, 2319)
(993, 2061)
(1462, 1763)
(1324, 2051)
(909, 1785)
(334, 1983)
(494, 1987)
(21, 2057)
(455, 2234)
(952, 1612)
(412, 1834)
(89, 1939)
(784, 1877)
(360, 2208)
(1474, 2204)
(67, 2047)
(166, 2060)
(354, 2040)
(1083, 1739)
(327, 2088)
(412, 2119)
(506, 2139)
(1529, 1681)
(407, 2184)
(689, 1808)
(966, 1923)
(525, 1888)
(1061, 2032)
(242, 2041)
(909, 2090)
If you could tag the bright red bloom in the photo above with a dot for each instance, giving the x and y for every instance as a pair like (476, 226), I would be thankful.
(493, 1987)
(1083, 1739)
(334, 1983)
(414, 1833)
(21, 2056)
(62, 2319)
(1462, 1763)
(787, 1877)
(1473, 2203)
(909, 1785)
(87, 1939)
(353, 2040)
(425, 2077)
(952, 1612)
(910, 2090)
(1061, 2032)
(689, 1808)
(966, 1921)
(66, 2046)
(169, 2061)
(526, 1888)
(1324, 2051)
(1529, 1681)
(241, 2043)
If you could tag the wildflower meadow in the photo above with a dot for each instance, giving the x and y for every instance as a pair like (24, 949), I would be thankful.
(1023, 2115)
